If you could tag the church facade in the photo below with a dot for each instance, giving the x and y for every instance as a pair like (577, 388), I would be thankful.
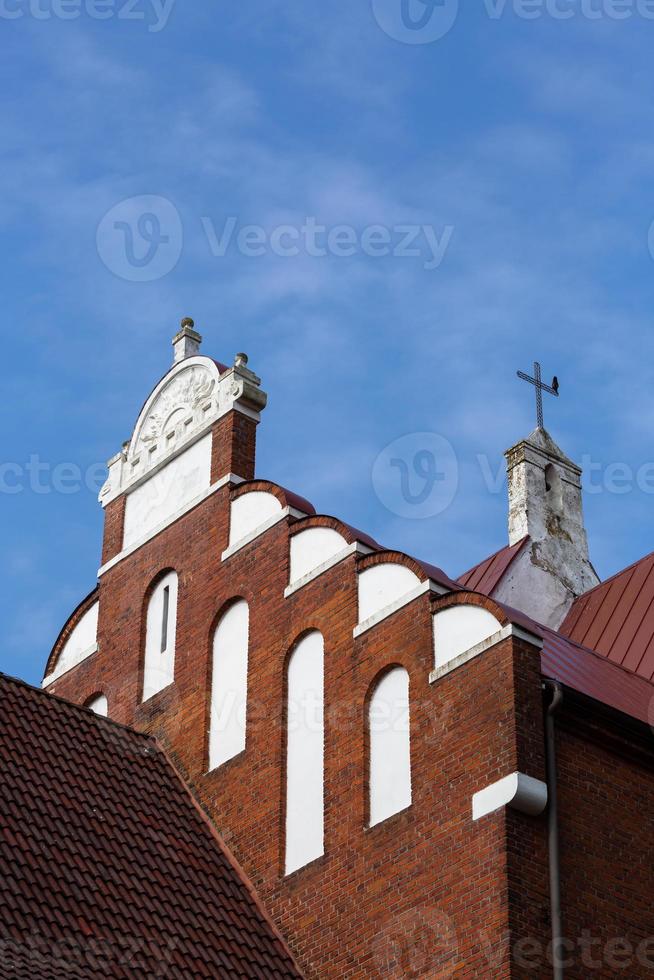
(422, 776)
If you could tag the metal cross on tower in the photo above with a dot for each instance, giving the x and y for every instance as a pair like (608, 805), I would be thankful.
(540, 386)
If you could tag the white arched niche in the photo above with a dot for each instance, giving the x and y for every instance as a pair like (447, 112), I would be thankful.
(459, 629)
(252, 511)
(161, 628)
(384, 585)
(313, 548)
(229, 685)
(99, 705)
(305, 753)
(389, 735)
(82, 642)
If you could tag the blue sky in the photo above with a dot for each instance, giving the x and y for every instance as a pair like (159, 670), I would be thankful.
(524, 146)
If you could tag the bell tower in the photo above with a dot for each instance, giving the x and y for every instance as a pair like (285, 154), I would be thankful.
(545, 505)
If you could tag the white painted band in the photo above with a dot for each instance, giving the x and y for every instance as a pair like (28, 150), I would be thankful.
(422, 589)
(54, 676)
(352, 549)
(479, 648)
(258, 531)
(229, 478)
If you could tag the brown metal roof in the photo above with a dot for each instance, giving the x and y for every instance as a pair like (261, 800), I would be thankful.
(591, 674)
(588, 672)
(108, 867)
(616, 618)
(487, 575)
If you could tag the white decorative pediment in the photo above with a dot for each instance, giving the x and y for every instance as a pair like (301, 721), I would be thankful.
(183, 403)
(182, 408)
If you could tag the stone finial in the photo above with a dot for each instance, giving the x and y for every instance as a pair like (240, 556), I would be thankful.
(241, 360)
(187, 342)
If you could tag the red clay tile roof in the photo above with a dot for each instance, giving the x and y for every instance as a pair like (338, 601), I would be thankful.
(107, 867)
(616, 618)
(487, 575)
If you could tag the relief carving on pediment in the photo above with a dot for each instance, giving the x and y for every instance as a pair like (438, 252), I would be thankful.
(183, 396)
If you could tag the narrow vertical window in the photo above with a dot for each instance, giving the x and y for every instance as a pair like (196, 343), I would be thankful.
(161, 625)
(305, 754)
(164, 618)
(229, 686)
(390, 746)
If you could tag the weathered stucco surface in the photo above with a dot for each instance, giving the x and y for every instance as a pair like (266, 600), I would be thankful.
(545, 502)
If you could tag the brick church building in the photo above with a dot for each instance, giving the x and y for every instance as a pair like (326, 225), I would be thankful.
(420, 775)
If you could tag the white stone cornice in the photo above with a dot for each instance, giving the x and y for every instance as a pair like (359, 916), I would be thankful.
(229, 478)
(261, 529)
(509, 630)
(352, 549)
(422, 589)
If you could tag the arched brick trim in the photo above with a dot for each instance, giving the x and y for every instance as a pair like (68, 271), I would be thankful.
(154, 582)
(393, 558)
(226, 606)
(350, 534)
(68, 628)
(472, 599)
(96, 694)
(286, 497)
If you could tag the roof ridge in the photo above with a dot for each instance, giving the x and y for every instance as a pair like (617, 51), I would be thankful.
(505, 547)
(76, 708)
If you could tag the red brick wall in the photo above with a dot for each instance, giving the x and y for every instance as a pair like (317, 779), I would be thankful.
(607, 844)
(429, 892)
(234, 446)
(114, 522)
(419, 892)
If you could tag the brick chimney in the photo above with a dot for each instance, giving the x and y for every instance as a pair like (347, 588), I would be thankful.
(545, 504)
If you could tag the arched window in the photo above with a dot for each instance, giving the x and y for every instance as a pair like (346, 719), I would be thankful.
(305, 753)
(99, 704)
(161, 627)
(390, 746)
(229, 685)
